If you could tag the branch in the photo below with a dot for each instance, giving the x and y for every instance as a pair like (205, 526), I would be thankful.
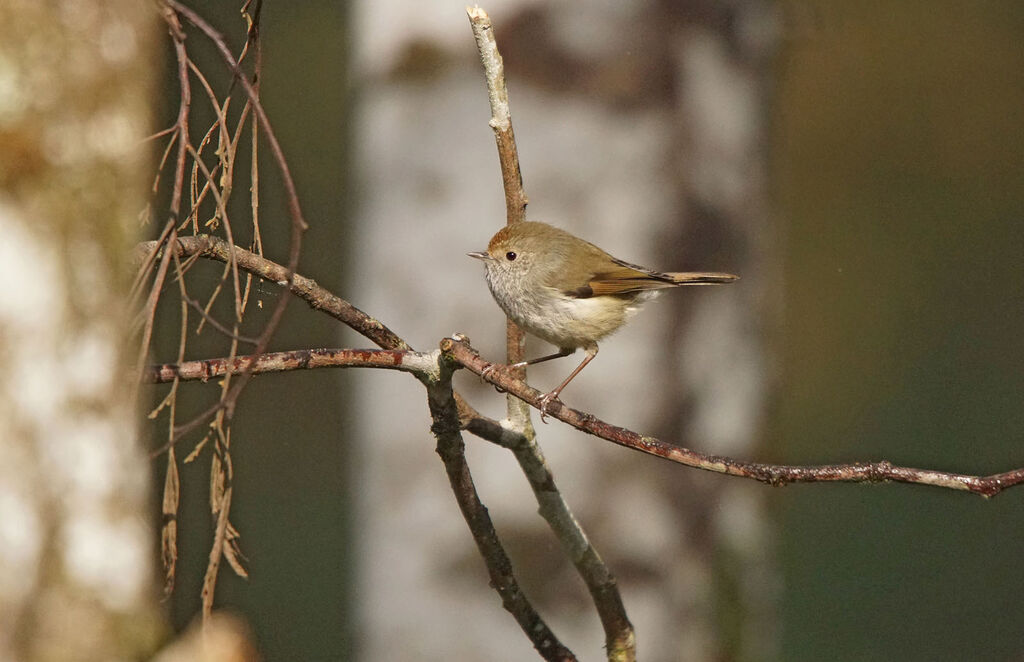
(618, 630)
(620, 640)
(298, 224)
(420, 364)
(553, 509)
(305, 288)
(511, 178)
(772, 474)
(599, 580)
(452, 449)
(501, 116)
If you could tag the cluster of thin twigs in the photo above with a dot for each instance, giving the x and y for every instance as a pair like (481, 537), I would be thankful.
(206, 171)
(182, 241)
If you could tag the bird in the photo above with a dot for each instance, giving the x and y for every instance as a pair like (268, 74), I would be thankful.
(567, 291)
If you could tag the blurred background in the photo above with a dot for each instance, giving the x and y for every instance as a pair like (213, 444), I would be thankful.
(859, 165)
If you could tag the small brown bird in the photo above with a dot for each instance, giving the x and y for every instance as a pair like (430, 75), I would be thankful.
(568, 291)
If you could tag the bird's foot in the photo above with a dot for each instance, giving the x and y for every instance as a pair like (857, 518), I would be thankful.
(545, 402)
(486, 373)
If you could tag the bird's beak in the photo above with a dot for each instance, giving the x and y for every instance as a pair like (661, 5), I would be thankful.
(480, 256)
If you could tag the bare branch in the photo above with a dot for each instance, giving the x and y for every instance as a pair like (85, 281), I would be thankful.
(320, 299)
(599, 580)
(511, 176)
(773, 474)
(451, 448)
(420, 364)
(501, 116)
(298, 224)
(620, 640)
(552, 507)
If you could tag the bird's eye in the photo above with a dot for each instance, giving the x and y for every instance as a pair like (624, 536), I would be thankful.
(511, 255)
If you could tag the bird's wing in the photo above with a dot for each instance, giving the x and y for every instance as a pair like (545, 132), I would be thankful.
(626, 278)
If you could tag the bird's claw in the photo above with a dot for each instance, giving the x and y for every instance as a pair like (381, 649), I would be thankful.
(545, 402)
(486, 372)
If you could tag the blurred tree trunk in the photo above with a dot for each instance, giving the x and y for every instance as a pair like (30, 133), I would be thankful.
(76, 534)
(641, 127)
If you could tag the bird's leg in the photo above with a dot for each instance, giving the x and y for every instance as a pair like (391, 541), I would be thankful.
(548, 398)
(564, 351)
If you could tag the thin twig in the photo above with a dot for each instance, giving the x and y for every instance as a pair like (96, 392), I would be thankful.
(620, 639)
(305, 288)
(145, 267)
(185, 104)
(231, 268)
(216, 552)
(181, 124)
(225, 544)
(511, 175)
(298, 223)
(150, 308)
(501, 116)
(217, 325)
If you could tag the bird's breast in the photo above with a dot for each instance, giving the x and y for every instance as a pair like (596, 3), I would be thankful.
(559, 319)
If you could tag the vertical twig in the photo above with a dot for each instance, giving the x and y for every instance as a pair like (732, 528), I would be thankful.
(511, 178)
(620, 639)
(181, 135)
(216, 553)
(501, 116)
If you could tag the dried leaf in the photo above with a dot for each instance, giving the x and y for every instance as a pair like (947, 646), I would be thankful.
(217, 481)
(216, 551)
(197, 450)
(169, 531)
(233, 553)
(172, 485)
(163, 403)
(169, 553)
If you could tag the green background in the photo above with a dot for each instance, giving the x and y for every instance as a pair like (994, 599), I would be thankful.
(898, 135)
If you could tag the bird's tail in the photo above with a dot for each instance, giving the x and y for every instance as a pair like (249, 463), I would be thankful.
(699, 278)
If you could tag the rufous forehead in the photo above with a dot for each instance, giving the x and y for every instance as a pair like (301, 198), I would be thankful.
(501, 237)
